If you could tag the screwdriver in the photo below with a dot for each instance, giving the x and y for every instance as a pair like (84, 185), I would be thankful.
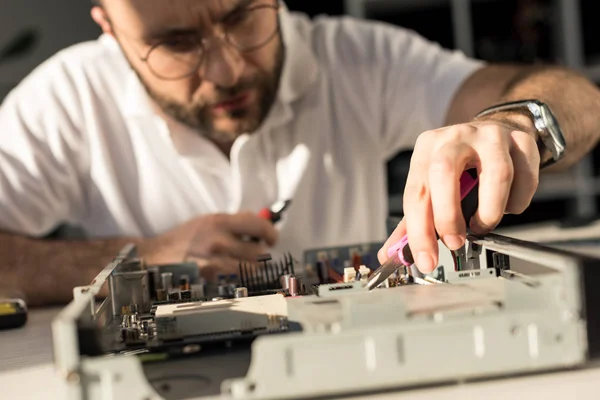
(272, 214)
(275, 213)
(400, 255)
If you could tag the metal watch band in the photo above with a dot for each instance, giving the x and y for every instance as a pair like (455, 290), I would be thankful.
(550, 137)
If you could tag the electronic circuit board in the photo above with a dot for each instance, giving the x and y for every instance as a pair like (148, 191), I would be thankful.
(509, 307)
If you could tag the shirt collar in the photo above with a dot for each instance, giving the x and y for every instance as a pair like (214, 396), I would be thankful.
(300, 68)
(300, 71)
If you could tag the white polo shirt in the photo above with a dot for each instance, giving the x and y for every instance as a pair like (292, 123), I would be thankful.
(81, 144)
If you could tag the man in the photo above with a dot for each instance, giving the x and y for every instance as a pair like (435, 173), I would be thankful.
(187, 117)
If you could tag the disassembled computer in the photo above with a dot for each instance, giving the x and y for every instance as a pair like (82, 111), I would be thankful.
(281, 329)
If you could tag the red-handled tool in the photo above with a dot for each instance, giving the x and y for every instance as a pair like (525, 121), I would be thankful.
(272, 214)
(400, 255)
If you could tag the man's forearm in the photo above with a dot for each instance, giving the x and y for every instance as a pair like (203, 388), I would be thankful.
(46, 271)
(574, 100)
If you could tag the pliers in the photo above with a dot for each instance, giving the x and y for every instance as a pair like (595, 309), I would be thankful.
(400, 255)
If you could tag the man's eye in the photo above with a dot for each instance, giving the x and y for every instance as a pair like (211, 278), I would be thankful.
(238, 18)
(180, 45)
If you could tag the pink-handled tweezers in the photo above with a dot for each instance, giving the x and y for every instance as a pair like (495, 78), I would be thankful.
(400, 255)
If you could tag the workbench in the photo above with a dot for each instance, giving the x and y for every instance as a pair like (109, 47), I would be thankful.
(26, 370)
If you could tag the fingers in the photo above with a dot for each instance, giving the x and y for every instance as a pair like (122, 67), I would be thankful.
(419, 214)
(495, 179)
(507, 161)
(394, 238)
(249, 224)
(444, 182)
(526, 160)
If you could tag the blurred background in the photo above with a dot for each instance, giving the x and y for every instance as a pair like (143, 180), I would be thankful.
(530, 31)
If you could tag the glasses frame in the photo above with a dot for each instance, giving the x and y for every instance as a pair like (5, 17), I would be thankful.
(224, 37)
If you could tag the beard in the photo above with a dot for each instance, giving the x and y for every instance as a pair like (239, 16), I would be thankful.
(198, 114)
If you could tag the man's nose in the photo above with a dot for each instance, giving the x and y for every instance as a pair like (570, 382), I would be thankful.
(223, 64)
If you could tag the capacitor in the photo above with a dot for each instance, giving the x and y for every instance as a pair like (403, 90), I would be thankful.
(356, 261)
(240, 292)
(184, 282)
(161, 295)
(285, 282)
(295, 286)
(154, 281)
(167, 281)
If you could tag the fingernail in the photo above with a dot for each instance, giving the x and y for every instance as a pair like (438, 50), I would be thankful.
(425, 262)
(453, 242)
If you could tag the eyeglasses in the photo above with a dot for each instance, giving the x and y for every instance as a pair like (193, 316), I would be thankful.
(246, 30)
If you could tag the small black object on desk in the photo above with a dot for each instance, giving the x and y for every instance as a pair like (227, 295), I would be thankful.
(13, 313)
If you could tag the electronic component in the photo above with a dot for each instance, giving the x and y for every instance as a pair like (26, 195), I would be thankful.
(400, 255)
(329, 263)
(295, 286)
(128, 286)
(265, 313)
(356, 274)
(535, 312)
(167, 281)
(263, 276)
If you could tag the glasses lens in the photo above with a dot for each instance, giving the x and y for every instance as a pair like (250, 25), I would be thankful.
(176, 58)
(252, 28)
(181, 57)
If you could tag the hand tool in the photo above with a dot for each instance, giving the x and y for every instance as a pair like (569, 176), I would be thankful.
(400, 255)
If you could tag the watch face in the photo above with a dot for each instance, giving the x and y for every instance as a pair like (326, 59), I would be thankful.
(552, 135)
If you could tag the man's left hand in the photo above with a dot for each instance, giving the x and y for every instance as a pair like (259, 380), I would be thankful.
(507, 160)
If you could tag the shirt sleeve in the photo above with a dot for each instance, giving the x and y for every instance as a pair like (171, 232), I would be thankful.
(420, 81)
(41, 154)
(399, 82)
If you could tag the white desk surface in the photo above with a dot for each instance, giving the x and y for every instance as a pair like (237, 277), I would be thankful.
(26, 370)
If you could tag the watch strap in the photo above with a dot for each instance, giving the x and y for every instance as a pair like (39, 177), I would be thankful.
(551, 144)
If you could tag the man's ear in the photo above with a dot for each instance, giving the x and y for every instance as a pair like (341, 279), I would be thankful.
(100, 17)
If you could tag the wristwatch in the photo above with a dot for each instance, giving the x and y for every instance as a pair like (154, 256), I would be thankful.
(551, 142)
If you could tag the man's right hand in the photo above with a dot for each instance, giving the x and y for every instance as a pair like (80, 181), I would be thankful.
(217, 242)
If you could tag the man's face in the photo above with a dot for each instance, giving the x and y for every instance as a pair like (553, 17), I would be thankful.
(228, 87)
